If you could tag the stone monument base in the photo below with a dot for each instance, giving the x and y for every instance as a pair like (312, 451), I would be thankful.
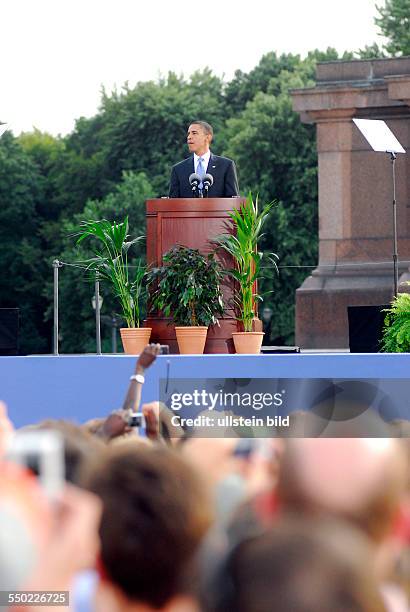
(323, 298)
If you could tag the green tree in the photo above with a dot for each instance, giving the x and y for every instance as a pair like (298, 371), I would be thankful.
(145, 127)
(394, 23)
(276, 156)
(21, 262)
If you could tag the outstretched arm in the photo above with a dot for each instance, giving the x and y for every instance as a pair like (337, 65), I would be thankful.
(147, 357)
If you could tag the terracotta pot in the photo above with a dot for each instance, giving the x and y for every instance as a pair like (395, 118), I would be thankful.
(191, 340)
(135, 339)
(248, 342)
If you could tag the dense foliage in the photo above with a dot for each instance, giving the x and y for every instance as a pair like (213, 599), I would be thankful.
(111, 163)
(188, 287)
(394, 22)
(396, 330)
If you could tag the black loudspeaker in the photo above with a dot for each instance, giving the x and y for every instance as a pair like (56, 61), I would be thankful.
(279, 350)
(9, 331)
(366, 328)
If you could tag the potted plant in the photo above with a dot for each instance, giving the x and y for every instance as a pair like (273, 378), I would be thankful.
(110, 263)
(396, 330)
(241, 244)
(187, 288)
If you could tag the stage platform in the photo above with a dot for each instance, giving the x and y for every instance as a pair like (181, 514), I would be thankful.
(81, 387)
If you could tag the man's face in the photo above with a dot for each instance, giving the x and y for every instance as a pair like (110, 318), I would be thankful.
(198, 140)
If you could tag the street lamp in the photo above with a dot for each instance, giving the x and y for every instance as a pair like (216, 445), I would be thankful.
(94, 302)
(97, 302)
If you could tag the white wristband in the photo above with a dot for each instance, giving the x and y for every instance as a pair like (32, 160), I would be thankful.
(139, 378)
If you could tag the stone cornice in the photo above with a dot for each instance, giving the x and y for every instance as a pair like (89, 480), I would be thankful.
(344, 89)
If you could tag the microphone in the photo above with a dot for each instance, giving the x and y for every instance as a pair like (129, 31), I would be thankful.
(194, 180)
(207, 182)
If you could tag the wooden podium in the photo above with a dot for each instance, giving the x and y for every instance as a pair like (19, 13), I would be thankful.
(192, 222)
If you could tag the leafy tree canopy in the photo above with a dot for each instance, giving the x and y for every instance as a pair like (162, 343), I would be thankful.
(394, 23)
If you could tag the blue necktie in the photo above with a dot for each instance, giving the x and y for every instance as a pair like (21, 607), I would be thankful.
(200, 171)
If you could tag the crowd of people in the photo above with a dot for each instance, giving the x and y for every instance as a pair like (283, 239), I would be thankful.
(180, 523)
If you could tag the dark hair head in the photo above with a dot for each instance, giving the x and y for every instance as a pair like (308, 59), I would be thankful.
(206, 126)
(302, 566)
(155, 513)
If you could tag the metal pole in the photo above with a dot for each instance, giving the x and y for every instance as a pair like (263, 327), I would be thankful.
(56, 265)
(395, 253)
(114, 335)
(97, 316)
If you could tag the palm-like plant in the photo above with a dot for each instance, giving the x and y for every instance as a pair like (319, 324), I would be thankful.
(241, 243)
(110, 263)
(396, 330)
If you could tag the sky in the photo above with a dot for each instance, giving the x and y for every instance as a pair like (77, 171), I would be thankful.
(57, 54)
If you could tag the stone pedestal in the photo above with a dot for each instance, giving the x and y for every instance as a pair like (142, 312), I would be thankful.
(355, 194)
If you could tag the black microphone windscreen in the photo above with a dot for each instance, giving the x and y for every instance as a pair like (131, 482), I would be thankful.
(194, 179)
(208, 180)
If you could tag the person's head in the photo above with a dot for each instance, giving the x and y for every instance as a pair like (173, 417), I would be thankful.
(298, 565)
(155, 513)
(80, 447)
(199, 137)
(359, 479)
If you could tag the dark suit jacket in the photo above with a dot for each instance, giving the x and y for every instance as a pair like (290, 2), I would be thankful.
(223, 170)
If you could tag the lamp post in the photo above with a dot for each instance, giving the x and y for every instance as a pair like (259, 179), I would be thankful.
(97, 302)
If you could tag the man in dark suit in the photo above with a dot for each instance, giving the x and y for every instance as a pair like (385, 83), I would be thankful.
(201, 162)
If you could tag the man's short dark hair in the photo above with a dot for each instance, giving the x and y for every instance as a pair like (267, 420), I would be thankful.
(155, 513)
(206, 126)
(302, 566)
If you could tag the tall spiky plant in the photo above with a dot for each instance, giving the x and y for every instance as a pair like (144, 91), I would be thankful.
(110, 263)
(396, 330)
(241, 243)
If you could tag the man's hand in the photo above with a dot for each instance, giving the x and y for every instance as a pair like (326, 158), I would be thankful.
(116, 424)
(147, 357)
(159, 418)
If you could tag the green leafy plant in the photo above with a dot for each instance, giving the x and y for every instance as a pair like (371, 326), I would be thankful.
(110, 263)
(188, 287)
(396, 330)
(241, 243)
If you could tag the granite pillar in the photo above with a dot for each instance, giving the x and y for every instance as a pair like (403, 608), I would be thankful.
(355, 194)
